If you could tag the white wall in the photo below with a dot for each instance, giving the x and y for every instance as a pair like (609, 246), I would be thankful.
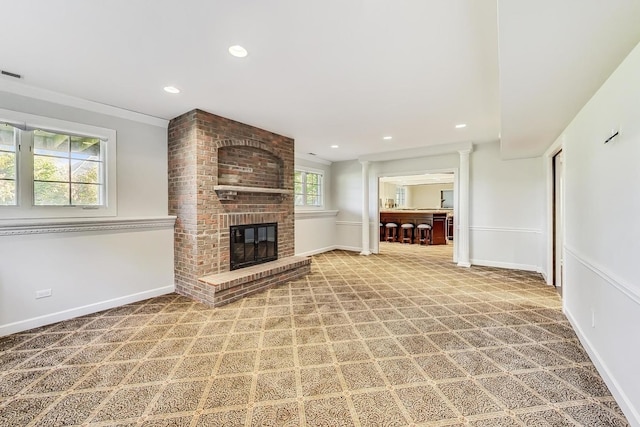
(504, 220)
(505, 199)
(387, 192)
(427, 195)
(315, 228)
(602, 233)
(346, 178)
(105, 266)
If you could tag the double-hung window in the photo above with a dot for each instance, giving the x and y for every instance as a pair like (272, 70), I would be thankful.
(52, 169)
(308, 188)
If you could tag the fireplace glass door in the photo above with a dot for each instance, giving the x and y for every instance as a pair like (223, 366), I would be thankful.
(253, 244)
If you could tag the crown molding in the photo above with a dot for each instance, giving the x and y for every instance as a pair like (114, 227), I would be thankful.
(75, 102)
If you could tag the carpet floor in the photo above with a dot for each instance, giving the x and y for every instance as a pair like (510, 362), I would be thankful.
(403, 338)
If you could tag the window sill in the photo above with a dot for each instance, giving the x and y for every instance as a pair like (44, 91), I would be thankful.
(320, 213)
(44, 226)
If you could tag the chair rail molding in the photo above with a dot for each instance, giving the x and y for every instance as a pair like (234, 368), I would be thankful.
(44, 226)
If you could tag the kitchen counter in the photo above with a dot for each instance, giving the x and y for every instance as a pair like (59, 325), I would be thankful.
(436, 218)
(449, 212)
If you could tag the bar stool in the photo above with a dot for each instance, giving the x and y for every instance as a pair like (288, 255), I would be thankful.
(382, 232)
(424, 234)
(407, 233)
(391, 231)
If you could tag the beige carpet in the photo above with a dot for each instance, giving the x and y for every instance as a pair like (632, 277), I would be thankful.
(401, 338)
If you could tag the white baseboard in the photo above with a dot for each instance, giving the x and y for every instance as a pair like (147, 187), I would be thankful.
(348, 248)
(48, 319)
(331, 248)
(545, 277)
(317, 251)
(509, 265)
(632, 414)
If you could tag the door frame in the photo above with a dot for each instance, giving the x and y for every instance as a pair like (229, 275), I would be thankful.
(548, 157)
(456, 192)
(558, 221)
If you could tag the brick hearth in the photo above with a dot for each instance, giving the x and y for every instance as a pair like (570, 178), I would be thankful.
(223, 173)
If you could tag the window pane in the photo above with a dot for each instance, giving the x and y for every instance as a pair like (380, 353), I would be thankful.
(85, 171)
(308, 189)
(85, 148)
(50, 193)
(85, 194)
(7, 139)
(7, 193)
(7, 165)
(50, 169)
(51, 144)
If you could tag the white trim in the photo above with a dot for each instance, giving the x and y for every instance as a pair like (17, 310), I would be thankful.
(508, 265)
(609, 277)
(350, 223)
(23, 325)
(42, 226)
(506, 229)
(623, 400)
(310, 158)
(84, 104)
(548, 156)
(544, 276)
(347, 248)
(310, 214)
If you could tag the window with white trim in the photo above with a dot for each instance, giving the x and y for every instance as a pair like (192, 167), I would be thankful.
(401, 196)
(308, 188)
(51, 168)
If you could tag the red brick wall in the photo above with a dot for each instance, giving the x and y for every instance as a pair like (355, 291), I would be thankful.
(201, 148)
(248, 166)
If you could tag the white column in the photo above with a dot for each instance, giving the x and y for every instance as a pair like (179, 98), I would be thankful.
(365, 209)
(463, 216)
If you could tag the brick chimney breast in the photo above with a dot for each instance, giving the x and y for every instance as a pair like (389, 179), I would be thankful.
(222, 173)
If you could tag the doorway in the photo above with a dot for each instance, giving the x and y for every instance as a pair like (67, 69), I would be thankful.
(558, 221)
(419, 198)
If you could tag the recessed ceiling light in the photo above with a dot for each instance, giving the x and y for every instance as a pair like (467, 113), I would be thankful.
(461, 125)
(171, 89)
(238, 51)
(334, 146)
(387, 137)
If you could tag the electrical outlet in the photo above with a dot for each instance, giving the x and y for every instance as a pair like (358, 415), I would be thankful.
(43, 293)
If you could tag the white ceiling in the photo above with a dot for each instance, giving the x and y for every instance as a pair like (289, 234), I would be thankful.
(325, 72)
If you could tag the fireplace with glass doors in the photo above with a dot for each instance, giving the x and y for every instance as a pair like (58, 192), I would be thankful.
(253, 244)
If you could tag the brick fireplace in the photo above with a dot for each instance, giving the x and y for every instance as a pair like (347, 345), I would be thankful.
(224, 173)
